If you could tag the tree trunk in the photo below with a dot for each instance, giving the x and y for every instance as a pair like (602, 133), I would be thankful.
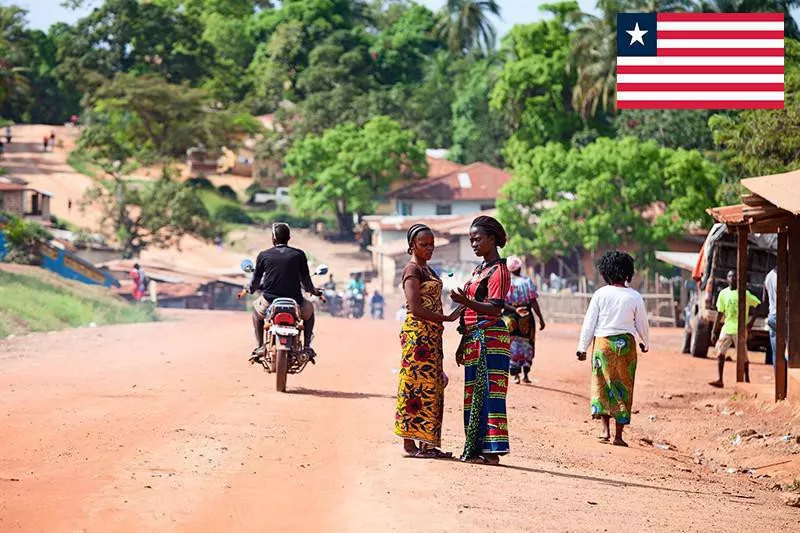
(345, 223)
(344, 219)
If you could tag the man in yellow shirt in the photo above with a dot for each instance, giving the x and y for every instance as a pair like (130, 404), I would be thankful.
(728, 311)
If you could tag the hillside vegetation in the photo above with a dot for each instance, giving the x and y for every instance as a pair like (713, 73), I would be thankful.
(32, 299)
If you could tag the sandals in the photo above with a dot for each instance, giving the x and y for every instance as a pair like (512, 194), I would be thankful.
(482, 460)
(430, 453)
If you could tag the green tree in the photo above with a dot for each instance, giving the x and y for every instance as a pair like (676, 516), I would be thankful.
(761, 142)
(128, 36)
(594, 51)
(343, 170)
(613, 192)
(669, 128)
(479, 132)
(154, 118)
(13, 83)
(533, 90)
(337, 82)
(466, 25)
(403, 48)
(157, 214)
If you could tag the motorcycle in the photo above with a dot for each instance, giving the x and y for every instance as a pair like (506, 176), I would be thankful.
(334, 302)
(355, 302)
(377, 311)
(283, 351)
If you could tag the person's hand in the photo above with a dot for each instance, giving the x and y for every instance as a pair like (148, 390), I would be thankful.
(541, 324)
(581, 356)
(643, 348)
(460, 353)
(714, 338)
(241, 294)
(453, 316)
(458, 296)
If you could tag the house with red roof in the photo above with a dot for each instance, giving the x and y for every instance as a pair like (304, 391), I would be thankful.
(457, 190)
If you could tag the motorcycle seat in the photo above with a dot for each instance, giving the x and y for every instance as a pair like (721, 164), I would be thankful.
(285, 305)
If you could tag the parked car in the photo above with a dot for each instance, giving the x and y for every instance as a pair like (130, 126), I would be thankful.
(269, 200)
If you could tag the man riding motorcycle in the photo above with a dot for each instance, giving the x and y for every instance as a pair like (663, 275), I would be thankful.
(280, 272)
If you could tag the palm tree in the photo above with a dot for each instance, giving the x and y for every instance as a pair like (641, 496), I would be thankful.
(594, 51)
(466, 26)
(12, 81)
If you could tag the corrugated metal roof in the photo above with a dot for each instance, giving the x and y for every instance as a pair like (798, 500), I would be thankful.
(728, 214)
(783, 190)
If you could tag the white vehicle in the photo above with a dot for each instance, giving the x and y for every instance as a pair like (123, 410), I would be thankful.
(270, 200)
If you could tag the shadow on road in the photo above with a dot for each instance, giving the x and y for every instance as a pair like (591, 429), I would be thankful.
(568, 393)
(339, 394)
(612, 482)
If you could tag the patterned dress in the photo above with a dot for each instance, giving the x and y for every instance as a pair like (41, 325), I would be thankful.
(420, 396)
(485, 345)
(613, 375)
(521, 328)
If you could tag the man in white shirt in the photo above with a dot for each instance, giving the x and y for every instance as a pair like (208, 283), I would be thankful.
(771, 293)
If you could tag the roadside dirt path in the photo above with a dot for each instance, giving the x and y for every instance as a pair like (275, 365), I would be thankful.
(164, 427)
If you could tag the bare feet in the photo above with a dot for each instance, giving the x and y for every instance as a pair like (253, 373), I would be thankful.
(516, 379)
(526, 379)
(718, 384)
(619, 442)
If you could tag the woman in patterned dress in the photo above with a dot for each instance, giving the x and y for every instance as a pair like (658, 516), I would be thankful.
(484, 348)
(616, 314)
(420, 396)
(522, 302)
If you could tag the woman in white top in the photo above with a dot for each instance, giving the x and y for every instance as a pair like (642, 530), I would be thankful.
(616, 314)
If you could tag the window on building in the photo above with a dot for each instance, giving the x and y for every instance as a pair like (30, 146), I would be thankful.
(404, 209)
(487, 207)
(444, 209)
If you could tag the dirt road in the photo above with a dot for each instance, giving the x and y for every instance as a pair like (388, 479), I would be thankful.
(164, 427)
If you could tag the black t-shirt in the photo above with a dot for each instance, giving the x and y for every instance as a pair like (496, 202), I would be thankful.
(280, 272)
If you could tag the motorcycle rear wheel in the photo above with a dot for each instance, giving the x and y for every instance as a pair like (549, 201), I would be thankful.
(281, 369)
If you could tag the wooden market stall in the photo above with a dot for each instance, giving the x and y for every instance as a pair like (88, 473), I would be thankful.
(771, 206)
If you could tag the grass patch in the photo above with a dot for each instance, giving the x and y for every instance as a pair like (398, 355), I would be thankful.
(43, 302)
(213, 201)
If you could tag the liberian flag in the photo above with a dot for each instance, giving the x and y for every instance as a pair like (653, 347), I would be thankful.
(700, 61)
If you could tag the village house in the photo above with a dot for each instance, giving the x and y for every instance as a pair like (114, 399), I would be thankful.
(454, 255)
(17, 198)
(450, 189)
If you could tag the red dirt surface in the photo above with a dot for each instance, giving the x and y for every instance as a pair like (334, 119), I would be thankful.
(165, 427)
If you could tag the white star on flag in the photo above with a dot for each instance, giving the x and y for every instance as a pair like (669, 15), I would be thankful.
(636, 35)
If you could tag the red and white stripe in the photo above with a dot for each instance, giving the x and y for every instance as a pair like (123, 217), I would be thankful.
(708, 61)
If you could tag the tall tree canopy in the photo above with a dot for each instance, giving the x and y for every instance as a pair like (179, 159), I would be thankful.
(344, 170)
(611, 193)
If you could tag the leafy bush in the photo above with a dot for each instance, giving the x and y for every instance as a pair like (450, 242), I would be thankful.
(281, 215)
(200, 182)
(232, 214)
(226, 191)
(24, 239)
